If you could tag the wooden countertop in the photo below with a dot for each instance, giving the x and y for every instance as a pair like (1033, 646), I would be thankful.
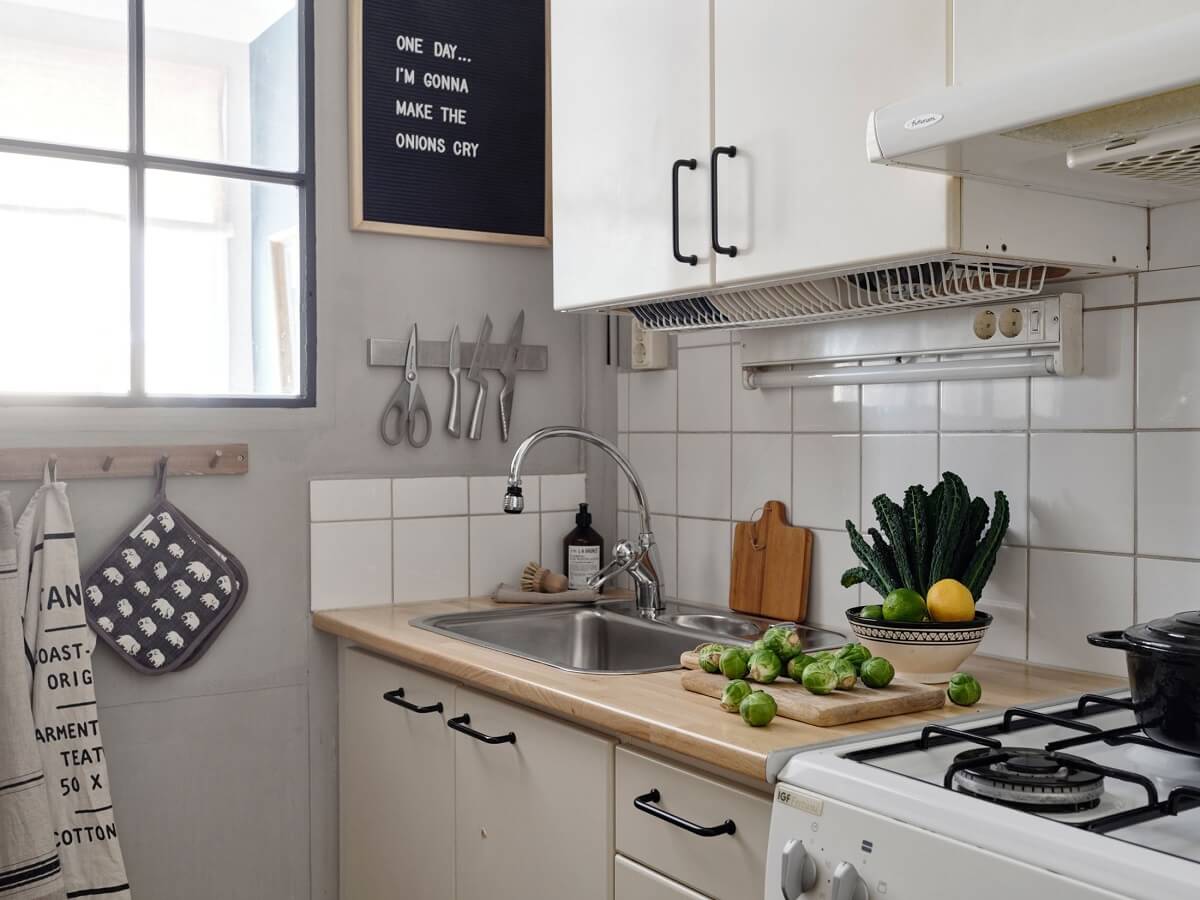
(654, 709)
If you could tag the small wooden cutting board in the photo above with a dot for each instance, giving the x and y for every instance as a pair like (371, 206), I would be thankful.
(838, 708)
(770, 567)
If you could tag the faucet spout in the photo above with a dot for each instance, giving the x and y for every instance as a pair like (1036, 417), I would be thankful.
(644, 566)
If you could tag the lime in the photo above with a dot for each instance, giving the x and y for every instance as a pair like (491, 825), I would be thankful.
(904, 605)
(820, 679)
(734, 662)
(758, 709)
(874, 611)
(950, 601)
(735, 692)
(963, 689)
(877, 672)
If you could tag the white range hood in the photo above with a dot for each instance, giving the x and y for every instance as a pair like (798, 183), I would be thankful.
(1118, 122)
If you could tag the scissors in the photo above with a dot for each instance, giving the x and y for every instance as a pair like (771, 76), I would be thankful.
(406, 405)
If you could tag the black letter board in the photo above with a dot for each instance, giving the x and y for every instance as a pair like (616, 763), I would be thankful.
(449, 126)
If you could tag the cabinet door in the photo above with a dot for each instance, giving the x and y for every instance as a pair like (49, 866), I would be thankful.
(396, 782)
(795, 82)
(634, 882)
(630, 95)
(533, 818)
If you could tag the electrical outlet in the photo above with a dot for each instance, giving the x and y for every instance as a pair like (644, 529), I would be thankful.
(1011, 322)
(650, 349)
(985, 324)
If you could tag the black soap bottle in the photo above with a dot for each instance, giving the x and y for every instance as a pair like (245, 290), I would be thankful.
(583, 551)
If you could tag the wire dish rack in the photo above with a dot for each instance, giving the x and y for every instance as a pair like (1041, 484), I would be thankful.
(924, 285)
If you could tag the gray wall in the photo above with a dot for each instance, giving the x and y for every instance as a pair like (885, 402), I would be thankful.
(212, 767)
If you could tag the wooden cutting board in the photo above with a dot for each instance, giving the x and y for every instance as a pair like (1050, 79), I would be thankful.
(770, 567)
(838, 708)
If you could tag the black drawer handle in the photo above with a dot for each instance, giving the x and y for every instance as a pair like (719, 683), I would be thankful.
(716, 243)
(463, 723)
(644, 804)
(679, 164)
(397, 697)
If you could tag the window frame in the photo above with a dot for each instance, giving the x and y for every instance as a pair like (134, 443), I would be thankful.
(137, 162)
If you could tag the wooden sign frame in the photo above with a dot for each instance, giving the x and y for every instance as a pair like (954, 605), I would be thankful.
(358, 222)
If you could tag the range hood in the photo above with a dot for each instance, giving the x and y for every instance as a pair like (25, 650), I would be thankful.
(1118, 122)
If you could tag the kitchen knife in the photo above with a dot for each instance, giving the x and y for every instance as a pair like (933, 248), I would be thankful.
(454, 420)
(475, 374)
(508, 371)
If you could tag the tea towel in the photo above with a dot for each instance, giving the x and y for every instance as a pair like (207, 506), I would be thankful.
(65, 718)
(29, 865)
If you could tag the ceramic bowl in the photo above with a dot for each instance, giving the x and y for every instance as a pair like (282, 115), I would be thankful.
(928, 652)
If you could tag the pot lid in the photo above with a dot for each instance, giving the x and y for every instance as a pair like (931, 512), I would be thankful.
(1179, 633)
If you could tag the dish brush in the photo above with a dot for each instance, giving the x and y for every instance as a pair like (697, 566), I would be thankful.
(543, 581)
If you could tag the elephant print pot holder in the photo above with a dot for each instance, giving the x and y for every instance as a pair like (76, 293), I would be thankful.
(164, 591)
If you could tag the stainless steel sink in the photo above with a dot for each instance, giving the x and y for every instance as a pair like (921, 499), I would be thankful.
(606, 637)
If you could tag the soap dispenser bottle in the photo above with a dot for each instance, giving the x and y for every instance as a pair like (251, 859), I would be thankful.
(583, 550)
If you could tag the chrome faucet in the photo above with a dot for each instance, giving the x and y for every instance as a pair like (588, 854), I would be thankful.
(640, 561)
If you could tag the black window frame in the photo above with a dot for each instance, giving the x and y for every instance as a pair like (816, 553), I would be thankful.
(137, 162)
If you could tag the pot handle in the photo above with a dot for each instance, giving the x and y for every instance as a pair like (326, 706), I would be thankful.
(1112, 640)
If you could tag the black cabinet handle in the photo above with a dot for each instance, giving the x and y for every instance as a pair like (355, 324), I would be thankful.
(679, 164)
(643, 803)
(463, 723)
(397, 697)
(730, 151)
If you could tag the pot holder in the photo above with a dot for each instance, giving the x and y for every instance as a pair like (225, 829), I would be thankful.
(165, 590)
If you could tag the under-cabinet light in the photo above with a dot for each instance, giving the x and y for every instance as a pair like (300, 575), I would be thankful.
(949, 370)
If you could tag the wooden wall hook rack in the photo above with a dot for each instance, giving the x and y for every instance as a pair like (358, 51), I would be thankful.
(26, 463)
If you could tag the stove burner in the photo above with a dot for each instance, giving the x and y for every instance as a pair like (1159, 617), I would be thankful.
(1032, 780)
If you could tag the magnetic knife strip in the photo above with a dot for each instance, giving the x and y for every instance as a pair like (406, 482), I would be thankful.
(436, 354)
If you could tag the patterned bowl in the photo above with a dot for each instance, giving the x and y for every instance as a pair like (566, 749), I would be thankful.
(928, 652)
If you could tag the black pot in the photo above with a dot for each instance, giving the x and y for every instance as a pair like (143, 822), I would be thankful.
(1163, 658)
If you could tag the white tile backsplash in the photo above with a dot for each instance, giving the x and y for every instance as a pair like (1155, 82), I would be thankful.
(825, 479)
(1169, 284)
(826, 408)
(563, 492)
(1168, 496)
(761, 472)
(1006, 598)
(999, 461)
(704, 550)
(428, 557)
(704, 389)
(757, 410)
(418, 497)
(1168, 376)
(350, 564)
(1071, 595)
(900, 407)
(1081, 491)
(1001, 404)
(655, 397)
(891, 462)
(1103, 397)
(555, 527)
(827, 599)
(349, 498)
(654, 459)
(1166, 587)
(704, 476)
(500, 547)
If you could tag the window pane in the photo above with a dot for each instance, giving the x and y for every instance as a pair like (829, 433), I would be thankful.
(64, 276)
(221, 81)
(64, 72)
(222, 286)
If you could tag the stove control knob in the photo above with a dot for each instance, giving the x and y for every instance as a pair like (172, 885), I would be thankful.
(799, 870)
(848, 884)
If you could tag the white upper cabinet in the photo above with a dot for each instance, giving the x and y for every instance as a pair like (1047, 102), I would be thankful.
(794, 82)
(630, 98)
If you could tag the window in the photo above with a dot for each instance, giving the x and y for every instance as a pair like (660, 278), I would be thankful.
(156, 204)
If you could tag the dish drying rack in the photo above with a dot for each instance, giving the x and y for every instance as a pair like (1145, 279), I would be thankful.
(920, 285)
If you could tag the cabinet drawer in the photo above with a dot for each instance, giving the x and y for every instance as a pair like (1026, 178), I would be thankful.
(725, 866)
(634, 882)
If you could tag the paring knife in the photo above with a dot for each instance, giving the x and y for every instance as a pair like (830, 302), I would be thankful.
(475, 374)
(508, 371)
(454, 420)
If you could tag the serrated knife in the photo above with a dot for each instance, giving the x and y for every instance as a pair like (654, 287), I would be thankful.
(508, 371)
(475, 374)
(454, 417)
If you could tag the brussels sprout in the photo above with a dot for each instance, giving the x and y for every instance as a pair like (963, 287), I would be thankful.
(874, 611)
(797, 664)
(758, 709)
(844, 670)
(877, 672)
(735, 692)
(820, 679)
(855, 654)
(710, 657)
(963, 689)
(765, 667)
(760, 644)
(783, 640)
(824, 655)
(734, 663)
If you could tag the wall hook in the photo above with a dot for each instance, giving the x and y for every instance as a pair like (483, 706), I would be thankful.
(216, 458)
(52, 466)
(107, 464)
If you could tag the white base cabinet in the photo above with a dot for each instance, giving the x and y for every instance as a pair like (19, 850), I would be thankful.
(634, 882)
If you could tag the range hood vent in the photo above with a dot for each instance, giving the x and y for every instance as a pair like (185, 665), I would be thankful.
(948, 281)
(1118, 122)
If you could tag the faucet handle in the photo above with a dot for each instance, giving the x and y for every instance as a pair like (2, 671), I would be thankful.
(624, 558)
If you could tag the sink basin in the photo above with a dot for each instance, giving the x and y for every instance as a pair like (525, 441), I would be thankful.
(606, 637)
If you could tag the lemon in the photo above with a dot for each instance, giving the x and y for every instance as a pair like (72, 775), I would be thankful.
(950, 601)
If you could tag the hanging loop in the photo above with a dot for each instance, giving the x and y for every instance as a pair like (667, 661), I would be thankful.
(161, 475)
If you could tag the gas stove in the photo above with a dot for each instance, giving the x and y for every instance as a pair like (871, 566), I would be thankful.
(1068, 800)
